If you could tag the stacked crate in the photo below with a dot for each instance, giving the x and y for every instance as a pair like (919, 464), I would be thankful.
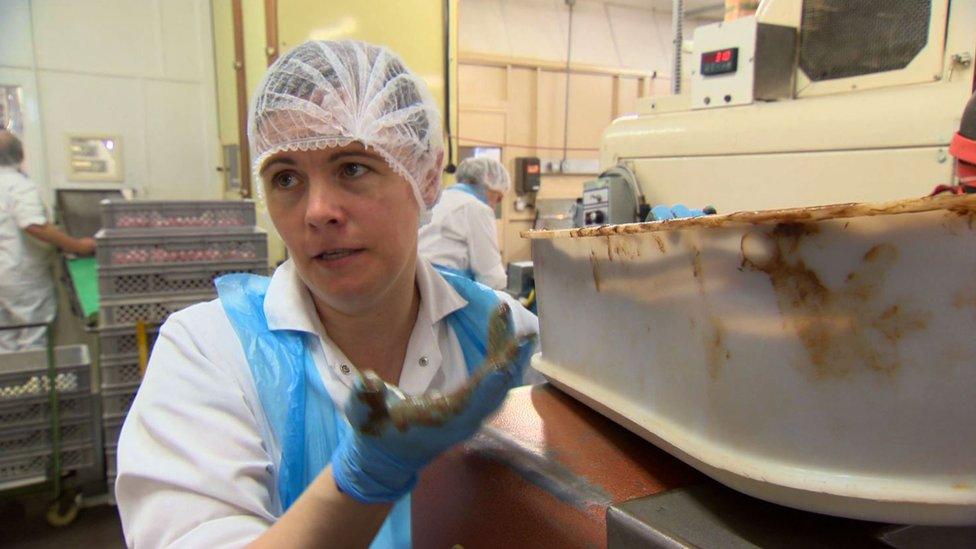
(155, 258)
(27, 417)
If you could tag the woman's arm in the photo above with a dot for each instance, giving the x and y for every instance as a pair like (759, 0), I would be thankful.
(325, 516)
(56, 237)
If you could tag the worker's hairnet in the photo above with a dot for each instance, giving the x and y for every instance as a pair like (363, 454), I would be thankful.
(329, 94)
(486, 172)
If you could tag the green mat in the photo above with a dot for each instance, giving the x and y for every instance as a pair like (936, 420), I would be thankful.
(84, 276)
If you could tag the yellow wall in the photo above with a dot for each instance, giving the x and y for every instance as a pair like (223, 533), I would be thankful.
(223, 29)
(255, 60)
(414, 29)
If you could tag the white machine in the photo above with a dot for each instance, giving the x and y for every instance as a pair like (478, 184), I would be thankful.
(820, 358)
(872, 103)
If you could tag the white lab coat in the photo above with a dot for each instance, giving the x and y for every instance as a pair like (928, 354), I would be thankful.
(196, 458)
(462, 235)
(26, 284)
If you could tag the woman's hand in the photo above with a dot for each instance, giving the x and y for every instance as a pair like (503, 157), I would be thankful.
(394, 436)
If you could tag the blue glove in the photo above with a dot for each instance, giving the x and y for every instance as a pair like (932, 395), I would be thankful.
(662, 212)
(394, 436)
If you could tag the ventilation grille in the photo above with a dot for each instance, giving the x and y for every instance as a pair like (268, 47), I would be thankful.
(844, 38)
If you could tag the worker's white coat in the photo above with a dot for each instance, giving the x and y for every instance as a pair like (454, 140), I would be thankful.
(196, 461)
(462, 235)
(26, 284)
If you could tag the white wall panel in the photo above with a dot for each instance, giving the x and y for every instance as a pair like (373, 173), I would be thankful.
(15, 38)
(537, 28)
(643, 37)
(139, 69)
(482, 27)
(633, 34)
(76, 103)
(184, 26)
(117, 37)
(177, 144)
(593, 41)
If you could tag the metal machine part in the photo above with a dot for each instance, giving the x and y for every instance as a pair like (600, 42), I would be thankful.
(556, 213)
(763, 348)
(612, 198)
(837, 141)
(842, 39)
(521, 279)
(742, 61)
(684, 339)
(79, 210)
(557, 474)
(710, 515)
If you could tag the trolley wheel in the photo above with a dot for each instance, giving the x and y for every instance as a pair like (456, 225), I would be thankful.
(62, 512)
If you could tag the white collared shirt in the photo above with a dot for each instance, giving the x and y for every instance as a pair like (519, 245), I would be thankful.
(196, 458)
(25, 263)
(462, 235)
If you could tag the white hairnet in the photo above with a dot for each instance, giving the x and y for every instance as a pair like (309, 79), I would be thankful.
(487, 172)
(329, 94)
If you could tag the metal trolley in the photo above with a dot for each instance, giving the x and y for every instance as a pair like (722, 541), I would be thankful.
(47, 432)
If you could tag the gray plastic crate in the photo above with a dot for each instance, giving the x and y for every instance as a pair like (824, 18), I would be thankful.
(129, 282)
(121, 215)
(24, 374)
(120, 372)
(25, 466)
(111, 429)
(127, 313)
(37, 411)
(189, 249)
(117, 401)
(121, 342)
(38, 438)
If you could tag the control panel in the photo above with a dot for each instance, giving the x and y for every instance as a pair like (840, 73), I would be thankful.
(742, 61)
(528, 174)
(610, 199)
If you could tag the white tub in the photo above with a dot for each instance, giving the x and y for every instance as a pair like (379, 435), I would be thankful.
(820, 358)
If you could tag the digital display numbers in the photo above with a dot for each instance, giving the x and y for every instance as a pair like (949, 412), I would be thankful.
(719, 61)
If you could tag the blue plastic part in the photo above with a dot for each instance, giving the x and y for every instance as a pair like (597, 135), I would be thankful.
(474, 191)
(307, 424)
(662, 212)
(466, 273)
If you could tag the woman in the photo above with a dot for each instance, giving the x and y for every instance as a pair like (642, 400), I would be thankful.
(239, 432)
(461, 236)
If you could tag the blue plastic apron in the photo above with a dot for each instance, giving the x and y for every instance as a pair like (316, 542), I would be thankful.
(302, 416)
(476, 192)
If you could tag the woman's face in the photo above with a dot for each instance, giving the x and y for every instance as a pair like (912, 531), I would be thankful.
(348, 220)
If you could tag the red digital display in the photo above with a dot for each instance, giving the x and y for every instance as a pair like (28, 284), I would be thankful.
(720, 56)
(719, 61)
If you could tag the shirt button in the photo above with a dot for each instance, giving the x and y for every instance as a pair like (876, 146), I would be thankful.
(344, 368)
(424, 361)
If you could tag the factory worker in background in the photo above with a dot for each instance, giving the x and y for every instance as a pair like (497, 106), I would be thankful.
(462, 235)
(27, 293)
(265, 415)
